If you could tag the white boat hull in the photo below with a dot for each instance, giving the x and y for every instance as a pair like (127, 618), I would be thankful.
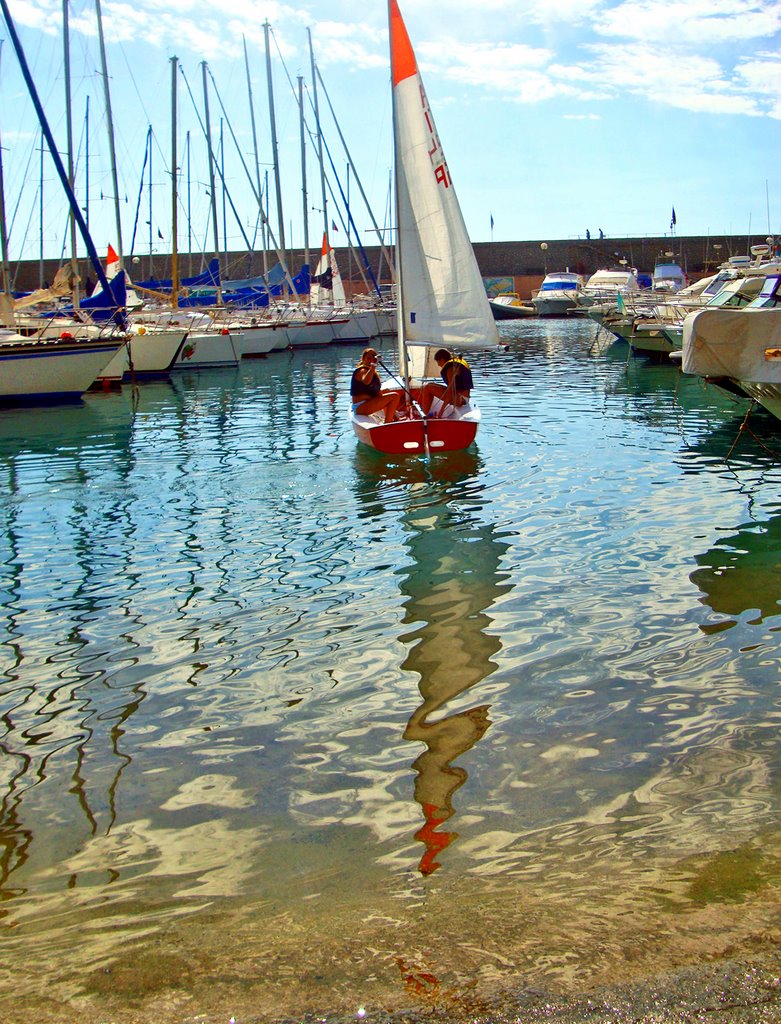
(152, 354)
(308, 334)
(361, 325)
(209, 350)
(53, 369)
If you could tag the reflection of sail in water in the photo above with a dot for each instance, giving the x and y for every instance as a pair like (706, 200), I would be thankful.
(742, 573)
(452, 582)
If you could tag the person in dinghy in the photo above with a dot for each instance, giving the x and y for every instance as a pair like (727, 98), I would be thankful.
(456, 388)
(365, 389)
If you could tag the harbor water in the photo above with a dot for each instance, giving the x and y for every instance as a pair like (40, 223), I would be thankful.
(288, 727)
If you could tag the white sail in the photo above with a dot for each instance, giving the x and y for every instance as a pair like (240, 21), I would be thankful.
(442, 296)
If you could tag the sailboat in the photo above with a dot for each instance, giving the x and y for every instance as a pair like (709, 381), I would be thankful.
(441, 297)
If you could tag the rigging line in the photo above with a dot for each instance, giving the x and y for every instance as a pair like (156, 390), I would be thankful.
(356, 233)
(33, 211)
(352, 164)
(140, 191)
(216, 164)
(25, 178)
(233, 208)
(235, 140)
(352, 221)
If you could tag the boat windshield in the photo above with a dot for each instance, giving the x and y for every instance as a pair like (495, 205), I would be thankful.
(559, 286)
(737, 293)
(719, 281)
(599, 280)
(668, 271)
(769, 296)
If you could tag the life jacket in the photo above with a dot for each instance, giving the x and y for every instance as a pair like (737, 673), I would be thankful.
(359, 389)
(463, 379)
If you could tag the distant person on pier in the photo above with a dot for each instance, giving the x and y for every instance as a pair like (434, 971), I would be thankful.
(365, 389)
(457, 384)
(588, 235)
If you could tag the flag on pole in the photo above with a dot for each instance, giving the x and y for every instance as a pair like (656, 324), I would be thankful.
(673, 220)
(333, 226)
(492, 222)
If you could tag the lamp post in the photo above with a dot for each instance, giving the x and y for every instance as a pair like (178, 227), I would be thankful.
(544, 247)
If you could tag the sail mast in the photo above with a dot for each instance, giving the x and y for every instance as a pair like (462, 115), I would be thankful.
(6, 276)
(254, 139)
(69, 130)
(110, 127)
(303, 167)
(380, 235)
(46, 132)
(319, 134)
(400, 315)
(274, 147)
(174, 193)
(212, 190)
(86, 164)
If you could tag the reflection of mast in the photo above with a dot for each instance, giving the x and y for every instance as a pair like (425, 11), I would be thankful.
(455, 578)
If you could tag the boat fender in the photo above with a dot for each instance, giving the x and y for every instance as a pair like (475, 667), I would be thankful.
(66, 336)
(225, 331)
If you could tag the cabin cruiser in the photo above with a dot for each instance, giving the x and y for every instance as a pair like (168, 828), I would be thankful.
(603, 288)
(740, 349)
(668, 278)
(558, 294)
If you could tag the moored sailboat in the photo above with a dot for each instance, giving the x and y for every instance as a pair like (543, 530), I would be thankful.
(441, 298)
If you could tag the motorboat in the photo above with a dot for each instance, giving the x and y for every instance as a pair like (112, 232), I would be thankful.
(558, 294)
(668, 278)
(740, 348)
(509, 306)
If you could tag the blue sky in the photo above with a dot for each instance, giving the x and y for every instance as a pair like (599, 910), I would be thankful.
(556, 117)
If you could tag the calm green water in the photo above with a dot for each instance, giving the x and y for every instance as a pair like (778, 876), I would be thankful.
(287, 726)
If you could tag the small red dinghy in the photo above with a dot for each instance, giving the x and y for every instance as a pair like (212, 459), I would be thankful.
(442, 302)
(412, 433)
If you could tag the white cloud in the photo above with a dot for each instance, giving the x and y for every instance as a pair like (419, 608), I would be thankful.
(700, 23)
(697, 83)
(46, 17)
(517, 71)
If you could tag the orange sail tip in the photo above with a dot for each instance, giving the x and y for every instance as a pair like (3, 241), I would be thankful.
(403, 63)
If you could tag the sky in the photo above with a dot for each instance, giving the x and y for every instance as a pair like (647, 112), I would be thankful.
(556, 117)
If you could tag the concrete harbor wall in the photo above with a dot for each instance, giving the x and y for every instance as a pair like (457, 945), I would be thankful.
(505, 266)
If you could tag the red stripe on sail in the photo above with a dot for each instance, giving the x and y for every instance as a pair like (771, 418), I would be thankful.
(403, 63)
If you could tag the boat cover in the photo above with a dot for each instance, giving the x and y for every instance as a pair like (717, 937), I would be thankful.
(734, 343)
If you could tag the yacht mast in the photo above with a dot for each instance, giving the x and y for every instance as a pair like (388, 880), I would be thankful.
(254, 147)
(212, 189)
(55, 155)
(303, 167)
(6, 277)
(110, 126)
(274, 146)
(319, 134)
(69, 128)
(86, 164)
(174, 194)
